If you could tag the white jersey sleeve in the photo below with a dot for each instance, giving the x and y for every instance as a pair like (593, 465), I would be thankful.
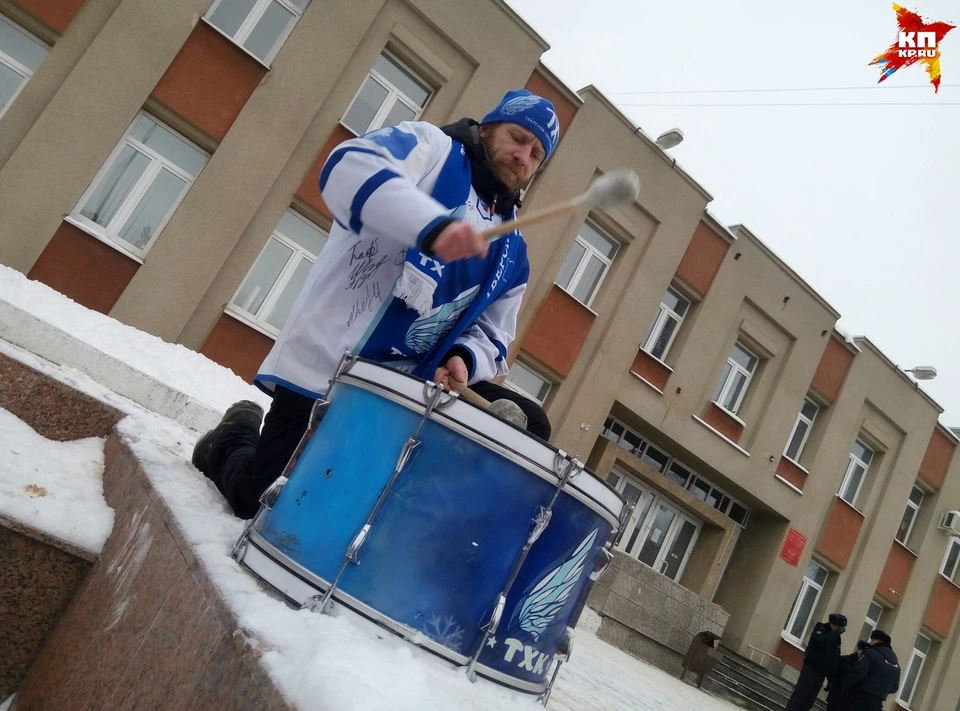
(378, 185)
(489, 338)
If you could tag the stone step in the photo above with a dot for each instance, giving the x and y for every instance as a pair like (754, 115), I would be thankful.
(750, 674)
(755, 693)
(715, 686)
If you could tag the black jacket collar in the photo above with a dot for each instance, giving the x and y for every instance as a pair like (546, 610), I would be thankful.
(487, 185)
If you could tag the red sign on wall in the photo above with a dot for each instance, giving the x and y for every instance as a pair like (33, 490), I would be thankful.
(793, 547)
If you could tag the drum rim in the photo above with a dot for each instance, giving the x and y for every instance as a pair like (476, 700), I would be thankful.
(406, 632)
(535, 468)
(535, 440)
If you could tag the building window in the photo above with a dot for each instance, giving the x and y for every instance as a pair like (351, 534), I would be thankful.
(805, 603)
(391, 93)
(587, 263)
(910, 515)
(801, 430)
(921, 648)
(950, 560)
(872, 622)
(853, 477)
(259, 26)
(663, 329)
(680, 474)
(526, 381)
(267, 293)
(140, 186)
(20, 55)
(735, 379)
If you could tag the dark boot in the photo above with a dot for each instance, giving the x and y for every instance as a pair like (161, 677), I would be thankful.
(245, 413)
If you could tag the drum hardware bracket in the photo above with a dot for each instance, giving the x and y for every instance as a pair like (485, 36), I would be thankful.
(564, 649)
(313, 605)
(270, 495)
(625, 515)
(603, 562)
(240, 547)
(347, 361)
(566, 470)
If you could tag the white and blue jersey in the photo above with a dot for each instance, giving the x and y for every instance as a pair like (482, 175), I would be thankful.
(387, 191)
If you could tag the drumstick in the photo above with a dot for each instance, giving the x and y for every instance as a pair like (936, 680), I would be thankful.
(467, 394)
(611, 189)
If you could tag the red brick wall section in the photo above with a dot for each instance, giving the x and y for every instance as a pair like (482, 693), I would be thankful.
(839, 534)
(650, 369)
(702, 259)
(235, 345)
(558, 331)
(209, 81)
(942, 607)
(832, 370)
(55, 14)
(85, 269)
(792, 473)
(789, 655)
(720, 420)
(309, 190)
(566, 109)
(937, 458)
(896, 574)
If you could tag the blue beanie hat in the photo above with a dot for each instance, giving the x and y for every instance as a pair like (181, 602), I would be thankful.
(533, 112)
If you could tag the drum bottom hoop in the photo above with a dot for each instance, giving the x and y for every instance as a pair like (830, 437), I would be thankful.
(274, 568)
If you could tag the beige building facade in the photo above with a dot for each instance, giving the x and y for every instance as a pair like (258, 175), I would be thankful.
(159, 163)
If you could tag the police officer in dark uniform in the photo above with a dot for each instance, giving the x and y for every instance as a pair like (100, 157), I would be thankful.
(874, 677)
(838, 692)
(822, 659)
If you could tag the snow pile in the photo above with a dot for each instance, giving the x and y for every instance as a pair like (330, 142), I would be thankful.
(179, 367)
(347, 663)
(54, 487)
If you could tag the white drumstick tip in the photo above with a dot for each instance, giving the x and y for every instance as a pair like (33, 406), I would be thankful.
(613, 188)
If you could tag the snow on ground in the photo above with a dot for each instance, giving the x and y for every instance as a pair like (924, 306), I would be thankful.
(179, 367)
(54, 487)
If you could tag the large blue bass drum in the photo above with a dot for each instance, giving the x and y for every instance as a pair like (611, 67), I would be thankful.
(435, 519)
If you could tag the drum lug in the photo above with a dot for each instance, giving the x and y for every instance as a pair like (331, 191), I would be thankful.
(408, 449)
(357, 543)
(494, 623)
(604, 559)
(270, 495)
(565, 647)
(315, 604)
(540, 522)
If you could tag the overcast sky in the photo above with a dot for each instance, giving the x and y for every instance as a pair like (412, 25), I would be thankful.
(861, 201)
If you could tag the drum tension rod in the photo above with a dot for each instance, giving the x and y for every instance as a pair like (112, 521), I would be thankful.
(541, 519)
(434, 395)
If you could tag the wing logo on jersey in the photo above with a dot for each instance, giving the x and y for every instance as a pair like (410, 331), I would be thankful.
(426, 331)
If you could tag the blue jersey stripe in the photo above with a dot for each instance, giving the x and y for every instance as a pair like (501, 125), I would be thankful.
(363, 194)
(335, 158)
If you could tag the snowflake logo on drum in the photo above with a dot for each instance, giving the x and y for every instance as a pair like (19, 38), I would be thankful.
(549, 595)
(447, 632)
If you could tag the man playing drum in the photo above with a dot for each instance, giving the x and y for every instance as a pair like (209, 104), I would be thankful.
(405, 279)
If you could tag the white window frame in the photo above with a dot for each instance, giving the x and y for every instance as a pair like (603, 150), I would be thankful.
(518, 364)
(585, 259)
(801, 419)
(17, 67)
(665, 313)
(911, 506)
(951, 575)
(792, 617)
(852, 461)
(109, 234)
(250, 23)
(905, 701)
(735, 367)
(259, 319)
(394, 95)
(871, 622)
